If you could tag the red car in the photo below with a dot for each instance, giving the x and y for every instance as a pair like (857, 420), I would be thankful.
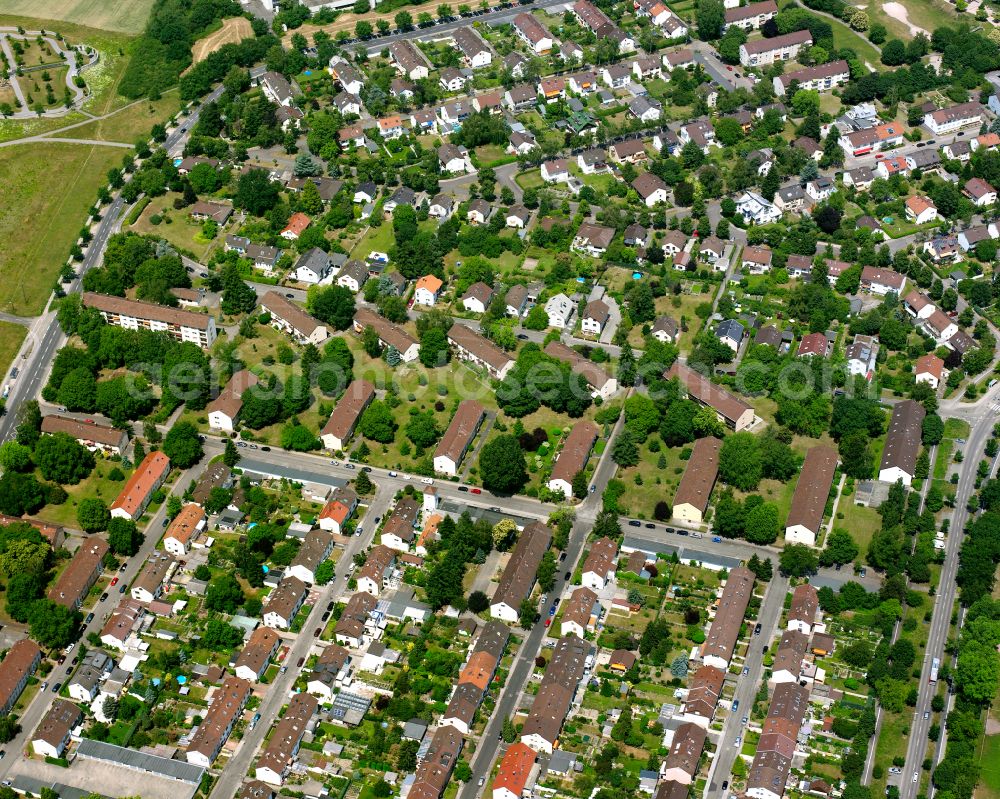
(548, 622)
(475, 491)
(114, 581)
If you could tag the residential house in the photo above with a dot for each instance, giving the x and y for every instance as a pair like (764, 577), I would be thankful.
(476, 53)
(920, 210)
(533, 33)
(756, 260)
(317, 545)
(763, 52)
(518, 217)
(560, 310)
(428, 290)
(149, 584)
(805, 604)
(862, 357)
(881, 281)
(353, 276)
(929, 369)
(224, 710)
(874, 139)
(346, 415)
(805, 516)
(813, 345)
(256, 654)
(601, 564)
(289, 318)
(630, 151)
(681, 764)
(377, 570)
(516, 300)
(572, 458)
(16, 669)
(820, 78)
(556, 692)
(389, 334)
(283, 603)
(665, 329)
(515, 769)
(337, 511)
(350, 628)
(902, 443)
(224, 410)
(756, 210)
(518, 576)
(595, 317)
(731, 333)
(650, 188)
(296, 226)
(581, 613)
(184, 326)
(593, 240)
(408, 60)
(283, 745)
(95, 437)
(454, 159)
(949, 120)
(601, 383)
(695, 488)
(555, 170)
(736, 414)
(980, 192)
(477, 297)
(725, 629)
(51, 736)
(752, 16)
(470, 346)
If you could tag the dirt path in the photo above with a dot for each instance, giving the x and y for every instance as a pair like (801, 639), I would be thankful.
(233, 30)
(898, 12)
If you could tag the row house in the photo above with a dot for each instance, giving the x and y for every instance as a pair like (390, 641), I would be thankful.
(533, 33)
(458, 437)
(185, 326)
(763, 52)
(752, 16)
(408, 60)
(476, 53)
(875, 139)
(953, 118)
(821, 78)
(470, 346)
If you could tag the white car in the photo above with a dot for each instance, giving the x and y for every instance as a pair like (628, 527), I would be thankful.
(915, 777)
(427, 481)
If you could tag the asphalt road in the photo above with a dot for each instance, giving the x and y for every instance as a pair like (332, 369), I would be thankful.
(43, 699)
(944, 602)
(746, 685)
(45, 336)
(300, 646)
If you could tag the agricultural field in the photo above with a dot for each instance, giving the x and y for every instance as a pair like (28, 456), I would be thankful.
(233, 30)
(52, 182)
(126, 16)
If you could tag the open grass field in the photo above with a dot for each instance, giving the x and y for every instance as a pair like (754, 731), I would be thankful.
(861, 522)
(96, 485)
(181, 231)
(48, 189)
(130, 123)
(233, 30)
(11, 338)
(843, 36)
(125, 16)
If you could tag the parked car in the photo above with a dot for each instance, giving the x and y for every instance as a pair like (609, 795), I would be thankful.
(317, 631)
(463, 488)
(300, 662)
(104, 596)
(634, 523)
(475, 491)
(114, 581)
(716, 539)
(122, 588)
(56, 687)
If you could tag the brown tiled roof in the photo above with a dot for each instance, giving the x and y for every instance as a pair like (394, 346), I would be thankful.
(102, 434)
(185, 524)
(152, 470)
(316, 546)
(289, 312)
(752, 10)
(686, 748)
(706, 688)
(464, 702)
(791, 650)
(706, 392)
(813, 488)
(575, 452)
(55, 726)
(146, 310)
(352, 621)
(461, 430)
(121, 623)
(288, 733)
(579, 607)
(230, 399)
(805, 602)
(258, 649)
(284, 599)
(77, 578)
(479, 670)
(388, 333)
(519, 575)
(602, 558)
(349, 408)
(903, 440)
(379, 559)
(699, 477)
(518, 760)
(227, 703)
(778, 42)
(404, 517)
(154, 572)
(434, 771)
(15, 668)
(725, 629)
(595, 376)
(483, 349)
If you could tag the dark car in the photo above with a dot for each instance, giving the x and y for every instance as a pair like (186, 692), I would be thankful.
(317, 631)
(325, 616)
(567, 576)
(104, 596)
(725, 784)
(463, 488)
(123, 567)
(650, 526)
(265, 449)
(757, 629)
(366, 469)
(634, 523)
(56, 687)
(330, 604)
(89, 619)
(301, 661)
(122, 588)
(682, 532)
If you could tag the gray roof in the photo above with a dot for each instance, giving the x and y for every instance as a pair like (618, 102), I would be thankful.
(730, 328)
(140, 761)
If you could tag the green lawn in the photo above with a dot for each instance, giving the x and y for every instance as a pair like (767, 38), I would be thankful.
(177, 228)
(861, 522)
(11, 338)
(96, 485)
(989, 765)
(843, 37)
(129, 124)
(52, 182)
